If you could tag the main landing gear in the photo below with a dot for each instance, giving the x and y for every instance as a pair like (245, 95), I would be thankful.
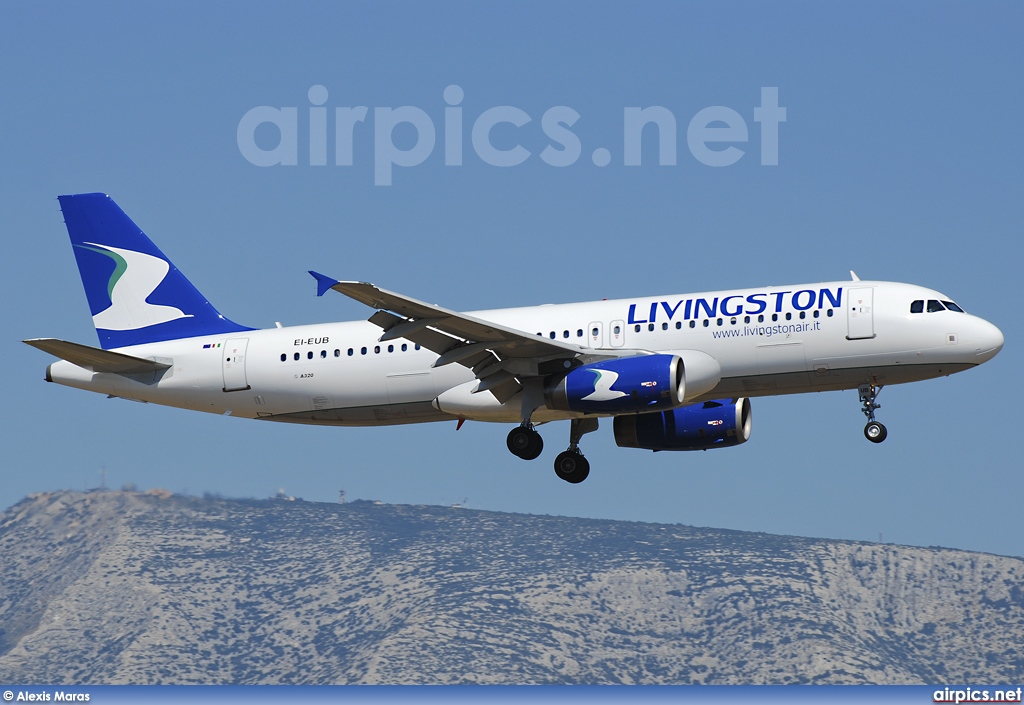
(874, 431)
(570, 465)
(524, 442)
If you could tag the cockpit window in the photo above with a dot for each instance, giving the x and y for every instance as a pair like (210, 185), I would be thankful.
(934, 306)
(917, 306)
(953, 307)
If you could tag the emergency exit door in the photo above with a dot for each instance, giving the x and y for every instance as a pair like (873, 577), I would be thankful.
(617, 334)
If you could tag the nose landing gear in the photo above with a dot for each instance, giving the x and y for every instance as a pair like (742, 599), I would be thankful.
(874, 431)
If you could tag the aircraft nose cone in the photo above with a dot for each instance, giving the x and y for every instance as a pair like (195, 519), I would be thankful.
(988, 341)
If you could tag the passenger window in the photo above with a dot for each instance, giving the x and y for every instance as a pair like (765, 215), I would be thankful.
(565, 334)
(732, 321)
(789, 316)
(552, 334)
(637, 328)
(760, 318)
(296, 356)
(817, 313)
(579, 332)
(404, 347)
(323, 354)
(664, 326)
(830, 313)
(953, 307)
(650, 326)
(309, 355)
(351, 352)
(337, 353)
(934, 306)
(617, 330)
(679, 324)
(746, 319)
(718, 322)
(706, 322)
(362, 351)
(391, 348)
(595, 332)
(284, 357)
(917, 306)
(376, 350)
(775, 316)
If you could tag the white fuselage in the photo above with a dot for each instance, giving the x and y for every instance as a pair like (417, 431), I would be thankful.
(773, 340)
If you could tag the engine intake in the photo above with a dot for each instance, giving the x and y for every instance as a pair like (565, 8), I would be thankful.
(620, 385)
(713, 424)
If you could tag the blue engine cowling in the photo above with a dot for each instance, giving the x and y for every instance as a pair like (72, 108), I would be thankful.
(620, 385)
(713, 424)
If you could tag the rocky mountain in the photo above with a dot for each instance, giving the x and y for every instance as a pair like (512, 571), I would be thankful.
(128, 587)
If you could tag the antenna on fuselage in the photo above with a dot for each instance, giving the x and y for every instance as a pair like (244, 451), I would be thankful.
(853, 276)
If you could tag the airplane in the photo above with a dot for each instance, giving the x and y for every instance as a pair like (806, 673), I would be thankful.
(673, 372)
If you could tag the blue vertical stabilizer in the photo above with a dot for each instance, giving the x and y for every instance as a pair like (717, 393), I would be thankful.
(136, 295)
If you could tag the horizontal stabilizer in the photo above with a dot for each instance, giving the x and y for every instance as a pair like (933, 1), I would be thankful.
(96, 360)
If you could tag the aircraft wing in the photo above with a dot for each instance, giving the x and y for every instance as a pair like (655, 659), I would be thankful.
(96, 360)
(498, 355)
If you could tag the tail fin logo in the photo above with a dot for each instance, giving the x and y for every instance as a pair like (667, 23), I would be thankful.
(136, 276)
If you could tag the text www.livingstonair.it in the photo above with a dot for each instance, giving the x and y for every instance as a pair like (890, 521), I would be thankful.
(767, 331)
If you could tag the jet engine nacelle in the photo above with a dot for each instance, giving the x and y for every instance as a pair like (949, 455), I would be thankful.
(640, 383)
(620, 385)
(713, 424)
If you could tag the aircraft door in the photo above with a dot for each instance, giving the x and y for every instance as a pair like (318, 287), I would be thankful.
(597, 334)
(617, 334)
(860, 316)
(234, 365)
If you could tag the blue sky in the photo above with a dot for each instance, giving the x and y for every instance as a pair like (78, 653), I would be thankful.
(901, 157)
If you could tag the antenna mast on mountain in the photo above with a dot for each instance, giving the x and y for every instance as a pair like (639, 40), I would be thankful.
(341, 497)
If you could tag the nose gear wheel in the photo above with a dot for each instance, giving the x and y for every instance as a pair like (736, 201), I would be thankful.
(874, 431)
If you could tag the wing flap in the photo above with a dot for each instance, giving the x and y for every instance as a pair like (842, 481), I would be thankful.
(427, 337)
(461, 328)
(500, 357)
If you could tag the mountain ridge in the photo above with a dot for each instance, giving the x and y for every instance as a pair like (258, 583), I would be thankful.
(131, 587)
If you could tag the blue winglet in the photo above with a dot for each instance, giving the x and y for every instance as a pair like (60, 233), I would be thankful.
(323, 282)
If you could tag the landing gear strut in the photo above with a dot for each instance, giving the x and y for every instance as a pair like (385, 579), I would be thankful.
(570, 465)
(524, 442)
(874, 431)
